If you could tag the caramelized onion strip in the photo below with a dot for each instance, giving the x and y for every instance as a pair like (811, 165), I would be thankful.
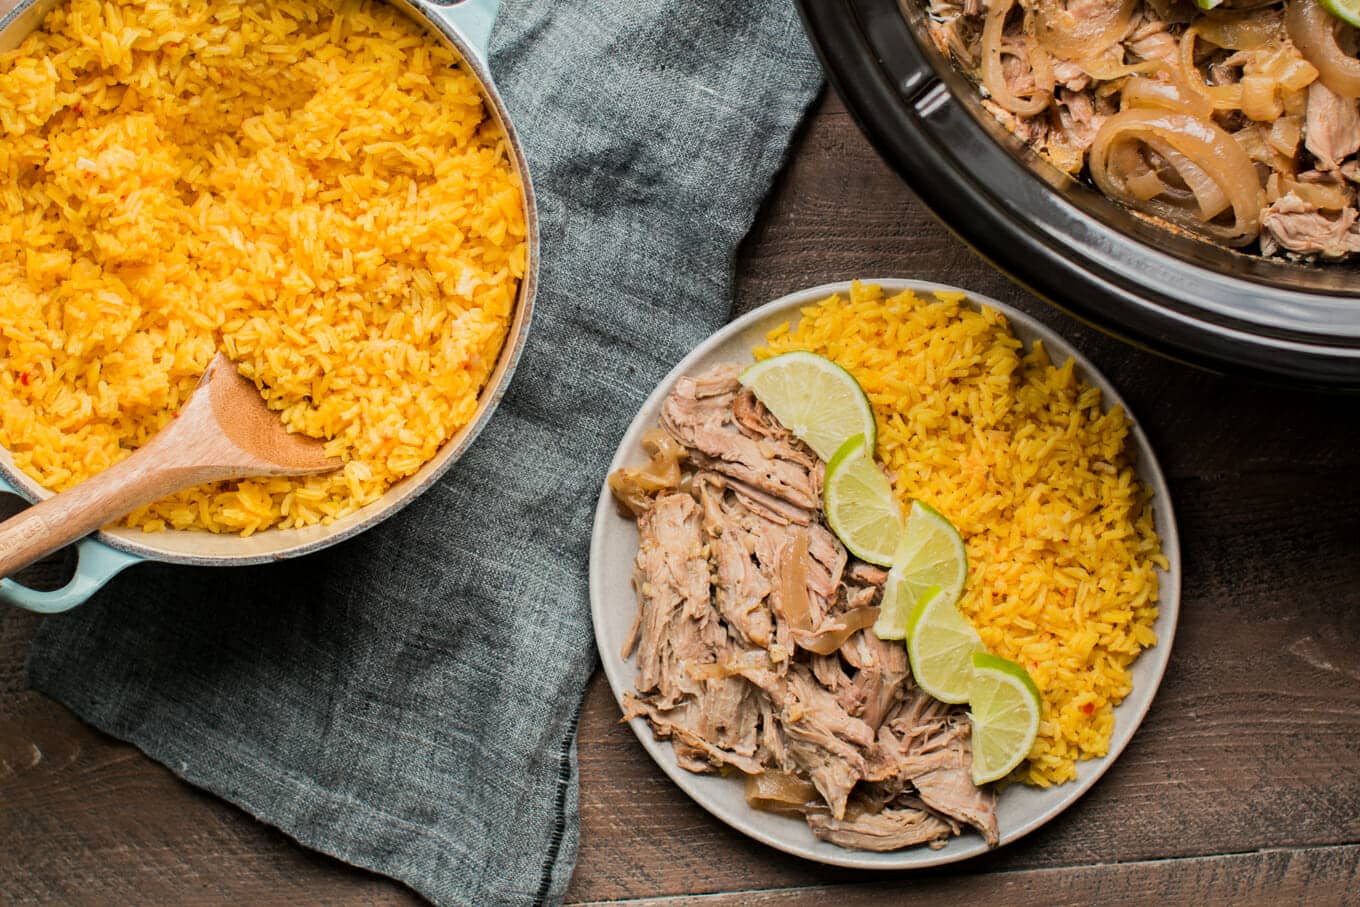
(635, 486)
(794, 603)
(1240, 30)
(1157, 94)
(993, 69)
(782, 792)
(1323, 196)
(830, 639)
(1285, 135)
(1213, 152)
(1222, 97)
(1104, 68)
(1208, 194)
(1313, 31)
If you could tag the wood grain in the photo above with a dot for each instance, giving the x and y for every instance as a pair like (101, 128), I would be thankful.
(1242, 787)
(1314, 875)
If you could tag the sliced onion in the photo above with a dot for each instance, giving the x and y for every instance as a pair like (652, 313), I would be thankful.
(635, 486)
(1208, 194)
(1196, 140)
(1105, 68)
(782, 792)
(1237, 30)
(1157, 94)
(1073, 37)
(793, 583)
(1260, 100)
(1256, 142)
(1296, 74)
(993, 72)
(1146, 185)
(1222, 97)
(1313, 31)
(1328, 196)
(1324, 196)
(830, 639)
(1296, 103)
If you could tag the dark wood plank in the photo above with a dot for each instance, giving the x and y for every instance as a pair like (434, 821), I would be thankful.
(86, 819)
(1313, 875)
(1252, 743)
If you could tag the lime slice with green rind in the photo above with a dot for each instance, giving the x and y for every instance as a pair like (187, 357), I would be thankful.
(1347, 11)
(860, 506)
(931, 553)
(930, 556)
(1004, 708)
(895, 609)
(813, 397)
(941, 644)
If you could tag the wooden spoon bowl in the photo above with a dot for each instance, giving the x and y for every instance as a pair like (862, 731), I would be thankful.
(224, 431)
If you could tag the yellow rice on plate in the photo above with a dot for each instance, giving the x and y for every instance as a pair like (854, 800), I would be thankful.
(315, 186)
(1038, 479)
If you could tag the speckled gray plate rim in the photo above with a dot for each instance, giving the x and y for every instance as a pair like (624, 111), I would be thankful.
(1020, 809)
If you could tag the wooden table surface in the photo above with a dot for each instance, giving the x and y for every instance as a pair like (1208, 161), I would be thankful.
(1242, 786)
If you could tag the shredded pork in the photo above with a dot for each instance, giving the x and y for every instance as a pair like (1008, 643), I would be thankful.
(1299, 226)
(752, 641)
(1332, 127)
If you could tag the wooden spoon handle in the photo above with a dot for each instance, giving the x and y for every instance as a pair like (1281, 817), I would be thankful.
(61, 519)
(223, 431)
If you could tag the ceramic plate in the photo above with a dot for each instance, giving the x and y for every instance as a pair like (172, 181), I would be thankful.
(1020, 809)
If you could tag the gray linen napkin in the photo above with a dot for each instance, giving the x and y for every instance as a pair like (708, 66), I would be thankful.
(407, 701)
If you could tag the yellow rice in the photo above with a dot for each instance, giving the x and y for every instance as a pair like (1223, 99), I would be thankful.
(313, 185)
(1038, 479)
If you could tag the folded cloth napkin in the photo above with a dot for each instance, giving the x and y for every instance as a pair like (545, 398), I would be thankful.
(407, 700)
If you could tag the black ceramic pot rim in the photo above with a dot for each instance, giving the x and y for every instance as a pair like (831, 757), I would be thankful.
(1178, 296)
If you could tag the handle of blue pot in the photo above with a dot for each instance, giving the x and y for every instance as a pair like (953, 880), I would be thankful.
(472, 19)
(96, 564)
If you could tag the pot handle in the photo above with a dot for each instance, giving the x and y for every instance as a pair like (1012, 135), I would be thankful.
(471, 19)
(96, 564)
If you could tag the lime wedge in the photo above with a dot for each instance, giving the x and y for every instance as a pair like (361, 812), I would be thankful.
(930, 558)
(813, 397)
(1347, 11)
(931, 553)
(896, 608)
(941, 644)
(1004, 709)
(860, 506)
(1208, 4)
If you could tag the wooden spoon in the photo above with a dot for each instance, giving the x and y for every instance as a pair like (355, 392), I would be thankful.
(224, 431)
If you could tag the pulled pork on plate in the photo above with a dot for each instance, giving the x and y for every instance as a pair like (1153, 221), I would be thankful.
(1238, 124)
(753, 640)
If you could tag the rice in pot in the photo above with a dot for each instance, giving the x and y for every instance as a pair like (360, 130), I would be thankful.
(314, 186)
